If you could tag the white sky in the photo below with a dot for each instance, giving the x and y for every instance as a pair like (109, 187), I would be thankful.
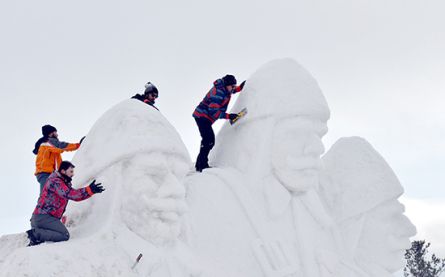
(379, 63)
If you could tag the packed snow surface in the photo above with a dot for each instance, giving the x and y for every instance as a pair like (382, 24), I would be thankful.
(274, 204)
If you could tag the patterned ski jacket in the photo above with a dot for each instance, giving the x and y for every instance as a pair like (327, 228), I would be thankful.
(49, 156)
(214, 104)
(56, 193)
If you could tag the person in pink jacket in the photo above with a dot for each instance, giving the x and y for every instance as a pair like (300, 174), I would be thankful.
(45, 221)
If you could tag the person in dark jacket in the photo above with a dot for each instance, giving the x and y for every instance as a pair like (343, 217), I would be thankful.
(213, 107)
(48, 150)
(45, 220)
(150, 95)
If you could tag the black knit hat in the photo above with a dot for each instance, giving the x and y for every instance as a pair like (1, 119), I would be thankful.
(229, 80)
(150, 88)
(48, 129)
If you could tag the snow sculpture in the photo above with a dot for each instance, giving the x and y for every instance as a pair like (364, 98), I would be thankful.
(362, 193)
(268, 169)
(271, 206)
(141, 160)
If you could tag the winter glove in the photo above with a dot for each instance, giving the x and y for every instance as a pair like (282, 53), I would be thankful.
(80, 142)
(96, 188)
(232, 116)
(242, 84)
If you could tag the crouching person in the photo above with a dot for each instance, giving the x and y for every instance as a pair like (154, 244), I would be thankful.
(45, 221)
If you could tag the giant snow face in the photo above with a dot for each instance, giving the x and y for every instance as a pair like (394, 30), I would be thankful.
(296, 150)
(362, 194)
(141, 160)
(153, 200)
(385, 234)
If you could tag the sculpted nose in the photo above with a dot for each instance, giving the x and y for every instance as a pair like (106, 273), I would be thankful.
(314, 147)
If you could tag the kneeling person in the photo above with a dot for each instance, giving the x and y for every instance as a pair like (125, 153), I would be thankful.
(45, 221)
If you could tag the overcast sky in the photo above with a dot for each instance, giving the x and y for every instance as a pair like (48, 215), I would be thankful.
(379, 63)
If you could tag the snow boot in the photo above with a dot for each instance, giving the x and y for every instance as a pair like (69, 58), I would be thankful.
(32, 239)
(200, 167)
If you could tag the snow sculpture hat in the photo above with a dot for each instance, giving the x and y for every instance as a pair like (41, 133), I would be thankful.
(108, 141)
(361, 178)
(282, 88)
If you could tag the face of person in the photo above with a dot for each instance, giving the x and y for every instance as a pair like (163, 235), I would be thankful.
(69, 172)
(230, 88)
(296, 150)
(54, 135)
(152, 97)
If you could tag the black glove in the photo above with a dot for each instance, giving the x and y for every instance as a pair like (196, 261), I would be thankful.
(96, 188)
(232, 116)
(242, 85)
(80, 142)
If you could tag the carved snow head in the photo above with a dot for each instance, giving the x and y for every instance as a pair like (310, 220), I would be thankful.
(141, 160)
(281, 134)
(296, 149)
(362, 193)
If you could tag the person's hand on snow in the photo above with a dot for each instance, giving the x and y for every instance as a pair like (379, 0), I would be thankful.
(96, 188)
(80, 142)
(241, 86)
(232, 116)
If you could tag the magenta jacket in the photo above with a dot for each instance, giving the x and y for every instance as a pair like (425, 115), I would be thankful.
(56, 193)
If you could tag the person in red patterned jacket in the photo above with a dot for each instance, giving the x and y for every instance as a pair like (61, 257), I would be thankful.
(45, 221)
(213, 107)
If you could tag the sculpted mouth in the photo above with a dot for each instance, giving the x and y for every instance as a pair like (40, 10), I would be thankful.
(305, 165)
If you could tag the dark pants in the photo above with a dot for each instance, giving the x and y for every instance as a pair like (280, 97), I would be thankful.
(41, 178)
(48, 228)
(207, 142)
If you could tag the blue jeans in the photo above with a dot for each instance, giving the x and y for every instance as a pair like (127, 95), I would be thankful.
(41, 178)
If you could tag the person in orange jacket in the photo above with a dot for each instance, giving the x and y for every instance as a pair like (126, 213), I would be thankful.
(48, 150)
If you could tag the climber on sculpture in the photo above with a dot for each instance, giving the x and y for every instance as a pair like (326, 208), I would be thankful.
(150, 95)
(48, 150)
(45, 221)
(212, 108)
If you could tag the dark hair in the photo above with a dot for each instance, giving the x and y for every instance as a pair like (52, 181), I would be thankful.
(38, 143)
(229, 80)
(65, 165)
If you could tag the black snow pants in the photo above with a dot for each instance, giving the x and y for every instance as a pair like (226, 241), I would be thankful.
(207, 142)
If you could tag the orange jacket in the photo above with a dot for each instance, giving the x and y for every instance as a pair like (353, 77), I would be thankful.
(49, 156)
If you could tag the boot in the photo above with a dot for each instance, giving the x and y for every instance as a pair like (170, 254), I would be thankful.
(200, 167)
(32, 239)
